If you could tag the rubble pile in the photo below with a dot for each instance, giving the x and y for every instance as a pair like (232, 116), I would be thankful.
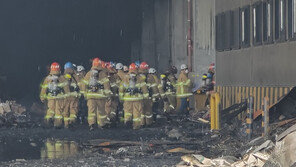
(258, 153)
(12, 113)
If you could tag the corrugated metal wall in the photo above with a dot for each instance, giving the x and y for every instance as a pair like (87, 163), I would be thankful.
(231, 95)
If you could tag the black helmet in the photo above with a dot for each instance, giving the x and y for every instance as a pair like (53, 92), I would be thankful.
(173, 70)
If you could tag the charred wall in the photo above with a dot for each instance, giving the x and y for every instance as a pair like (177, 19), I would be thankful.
(164, 34)
(33, 33)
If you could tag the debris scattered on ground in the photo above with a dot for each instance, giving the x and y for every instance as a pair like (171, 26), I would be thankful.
(12, 113)
(257, 153)
(180, 150)
(175, 133)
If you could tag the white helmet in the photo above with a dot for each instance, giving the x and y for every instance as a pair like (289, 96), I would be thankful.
(119, 66)
(125, 68)
(184, 66)
(152, 71)
(80, 68)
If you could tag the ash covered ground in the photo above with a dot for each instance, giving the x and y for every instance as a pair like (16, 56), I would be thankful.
(160, 145)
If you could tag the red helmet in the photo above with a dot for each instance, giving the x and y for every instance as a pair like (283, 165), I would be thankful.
(103, 64)
(96, 62)
(133, 66)
(55, 67)
(107, 65)
(212, 67)
(144, 66)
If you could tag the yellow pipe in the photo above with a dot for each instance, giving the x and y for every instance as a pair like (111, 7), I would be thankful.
(217, 115)
(212, 110)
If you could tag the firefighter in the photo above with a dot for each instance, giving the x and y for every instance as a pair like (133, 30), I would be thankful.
(72, 99)
(147, 116)
(120, 72)
(125, 69)
(82, 113)
(112, 106)
(210, 77)
(183, 91)
(97, 91)
(153, 82)
(167, 89)
(53, 90)
(80, 73)
(132, 92)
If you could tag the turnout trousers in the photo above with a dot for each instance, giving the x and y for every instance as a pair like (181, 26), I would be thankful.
(70, 110)
(54, 112)
(96, 112)
(147, 116)
(133, 111)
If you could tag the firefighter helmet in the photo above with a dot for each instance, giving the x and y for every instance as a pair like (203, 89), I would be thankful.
(105, 64)
(144, 66)
(184, 67)
(68, 65)
(204, 76)
(125, 68)
(119, 66)
(173, 70)
(96, 62)
(137, 63)
(152, 71)
(55, 67)
(133, 66)
(80, 68)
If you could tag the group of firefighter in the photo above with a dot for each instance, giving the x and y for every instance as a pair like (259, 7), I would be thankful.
(112, 93)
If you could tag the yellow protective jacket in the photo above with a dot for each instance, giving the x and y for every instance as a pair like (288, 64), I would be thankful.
(62, 88)
(170, 81)
(124, 88)
(73, 86)
(114, 83)
(99, 93)
(80, 77)
(121, 75)
(183, 86)
(152, 83)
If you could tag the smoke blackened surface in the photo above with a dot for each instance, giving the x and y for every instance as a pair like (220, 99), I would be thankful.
(34, 33)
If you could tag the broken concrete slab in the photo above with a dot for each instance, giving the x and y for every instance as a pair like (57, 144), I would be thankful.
(285, 133)
(267, 145)
(284, 152)
(190, 159)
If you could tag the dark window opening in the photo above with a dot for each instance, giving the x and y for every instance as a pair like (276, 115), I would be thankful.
(257, 14)
(234, 42)
(219, 37)
(245, 26)
(292, 19)
(268, 22)
(280, 20)
(227, 30)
